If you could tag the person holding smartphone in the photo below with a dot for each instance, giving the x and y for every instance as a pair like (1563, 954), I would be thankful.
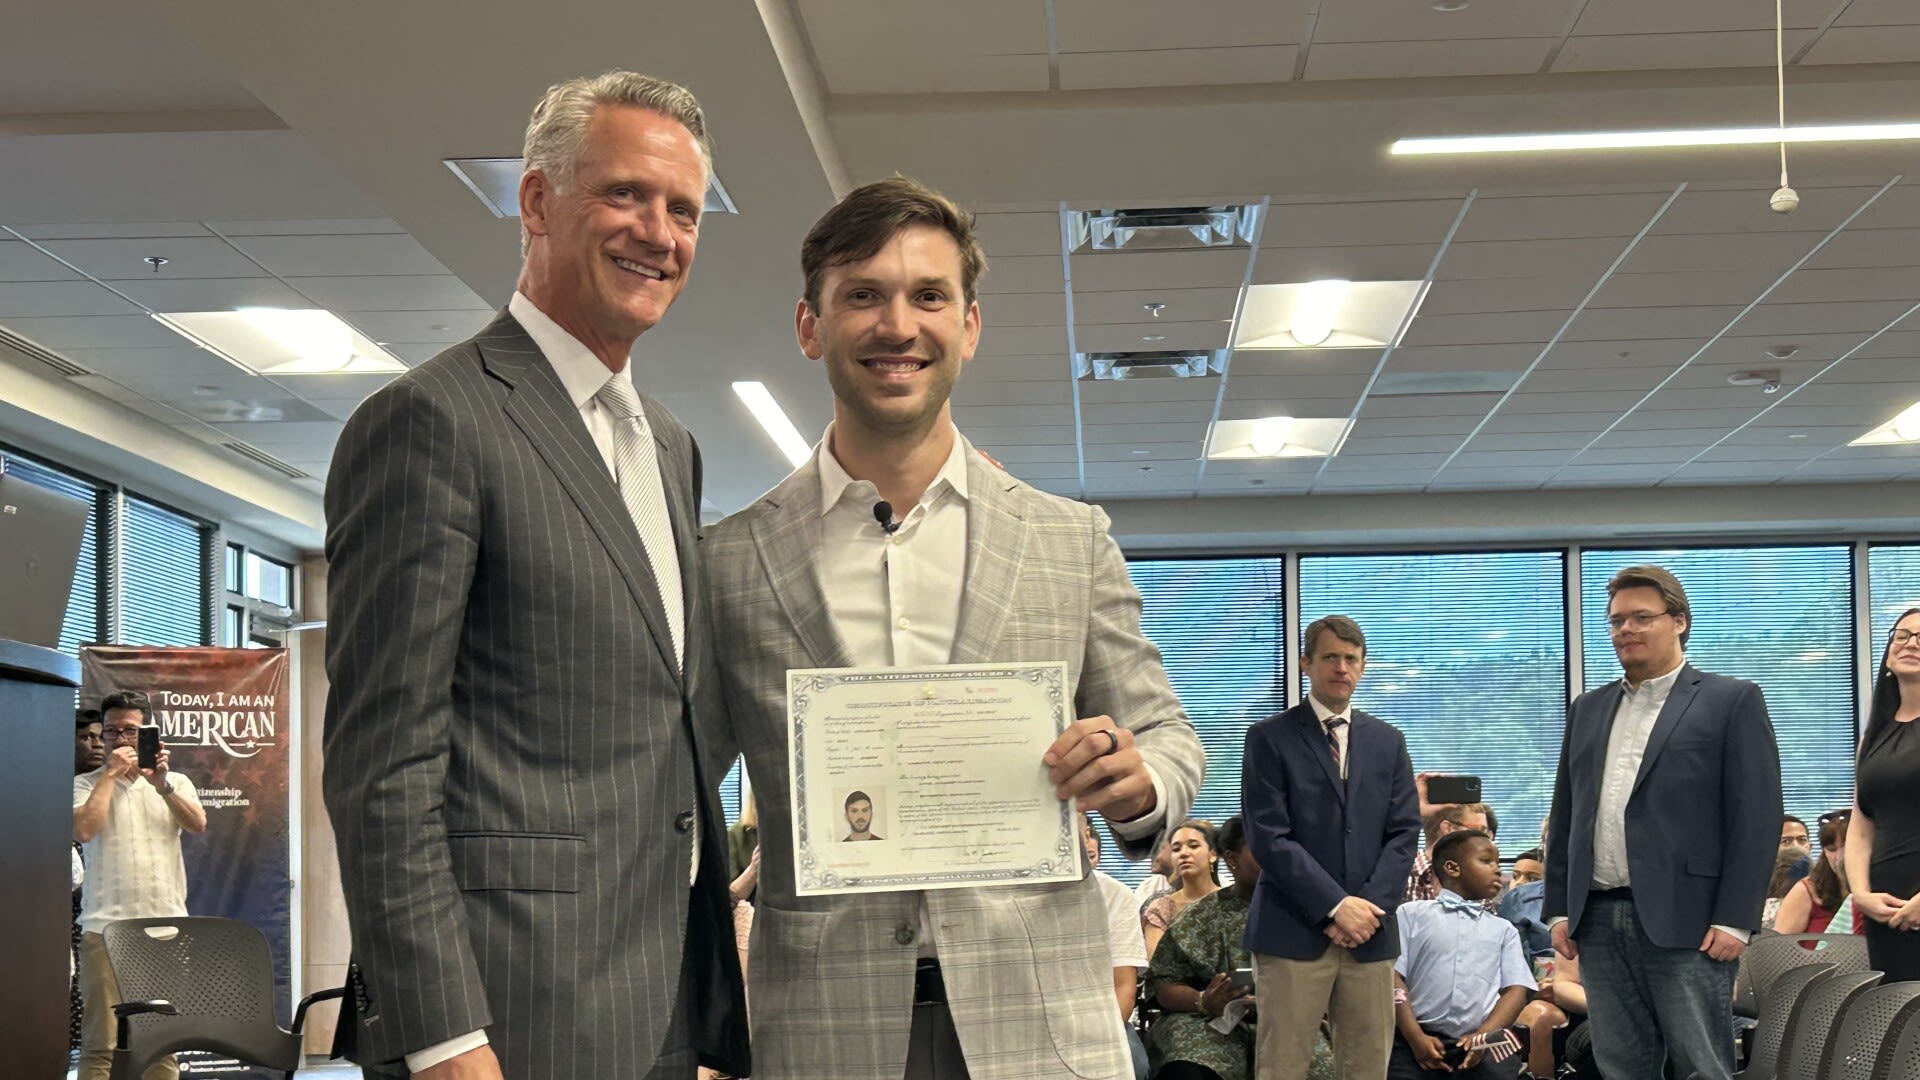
(128, 815)
(1197, 973)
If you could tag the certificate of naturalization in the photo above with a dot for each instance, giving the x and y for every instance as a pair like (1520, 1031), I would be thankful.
(927, 778)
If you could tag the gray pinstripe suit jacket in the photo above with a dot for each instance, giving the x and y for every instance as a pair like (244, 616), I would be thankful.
(1027, 968)
(510, 749)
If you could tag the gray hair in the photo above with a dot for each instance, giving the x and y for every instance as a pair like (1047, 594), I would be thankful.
(557, 131)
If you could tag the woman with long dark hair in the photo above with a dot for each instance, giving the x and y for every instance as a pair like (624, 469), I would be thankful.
(1196, 866)
(1809, 906)
(1883, 844)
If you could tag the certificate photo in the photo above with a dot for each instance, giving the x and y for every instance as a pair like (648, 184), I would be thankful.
(927, 778)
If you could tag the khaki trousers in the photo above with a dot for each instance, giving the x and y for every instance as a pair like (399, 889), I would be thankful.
(97, 1024)
(1294, 994)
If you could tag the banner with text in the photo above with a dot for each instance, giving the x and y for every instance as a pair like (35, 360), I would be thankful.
(224, 718)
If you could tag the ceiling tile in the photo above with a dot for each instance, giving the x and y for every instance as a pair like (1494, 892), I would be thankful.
(1585, 257)
(1481, 295)
(1022, 274)
(1675, 52)
(20, 262)
(1140, 25)
(1384, 262)
(988, 392)
(1786, 320)
(112, 230)
(1867, 249)
(1558, 216)
(1694, 16)
(1650, 323)
(412, 293)
(1027, 340)
(1147, 270)
(1024, 309)
(335, 256)
(105, 332)
(1831, 286)
(1182, 305)
(321, 227)
(1866, 45)
(417, 327)
(1426, 59)
(1002, 235)
(1250, 408)
(1054, 368)
(1159, 412)
(49, 298)
(1335, 224)
(1669, 252)
(211, 294)
(1714, 211)
(1131, 337)
(1495, 328)
(1053, 438)
(1095, 393)
(1697, 288)
(1878, 13)
(1143, 434)
(918, 71)
(1463, 357)
(1375, 21)
(173, 364)
(188, 257)
(1228, 66)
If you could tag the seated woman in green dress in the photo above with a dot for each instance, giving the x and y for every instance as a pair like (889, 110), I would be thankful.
(1192, 977)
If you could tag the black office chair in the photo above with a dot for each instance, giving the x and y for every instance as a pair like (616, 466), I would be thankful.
(1773, 1036)
(1875, 1020)
(198, 984)
(1768, 957)
(1821, 1011)
(1901, 1059)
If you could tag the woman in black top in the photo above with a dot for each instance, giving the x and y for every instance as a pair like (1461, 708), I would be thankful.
(1883, 845)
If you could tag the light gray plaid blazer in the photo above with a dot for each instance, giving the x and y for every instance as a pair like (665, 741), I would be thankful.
(510, 748)
(1027, 968)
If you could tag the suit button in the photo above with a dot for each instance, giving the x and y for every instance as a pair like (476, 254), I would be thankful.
(904, 934)
(684, 822)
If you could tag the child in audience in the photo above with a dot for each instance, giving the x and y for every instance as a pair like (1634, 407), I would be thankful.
(1462, 976)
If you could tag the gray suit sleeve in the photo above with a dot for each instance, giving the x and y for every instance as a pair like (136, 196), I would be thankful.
(403, 511)
(1122, 677)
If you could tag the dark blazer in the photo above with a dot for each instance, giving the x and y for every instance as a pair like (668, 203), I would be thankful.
(1703, 821)
(512, 760)
(1318, 841)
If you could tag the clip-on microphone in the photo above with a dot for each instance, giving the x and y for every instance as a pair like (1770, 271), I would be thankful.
(883, 513)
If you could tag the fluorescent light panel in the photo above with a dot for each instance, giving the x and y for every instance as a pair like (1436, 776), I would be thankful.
(1276, 438)
(1325, 314)
(1654, 140)
(496, 182)
(283, 341)
(1904, 428)
(773, 420)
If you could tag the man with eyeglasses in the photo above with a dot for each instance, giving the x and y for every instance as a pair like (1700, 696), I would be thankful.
(1661, 840)
(128, 821)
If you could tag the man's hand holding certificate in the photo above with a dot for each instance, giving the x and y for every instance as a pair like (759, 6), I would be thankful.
(947, 777)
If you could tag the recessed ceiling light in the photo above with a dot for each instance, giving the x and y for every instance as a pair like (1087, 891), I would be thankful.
(1448, 7)
(282, 341)
(1655, 140)
(1297, 437)
(1270, 435)
(773, 420)
(1327, 314)
(1904, 428)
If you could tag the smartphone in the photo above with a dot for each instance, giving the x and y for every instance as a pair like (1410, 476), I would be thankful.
(1442, 790)
(149, 747)
(1243, 979)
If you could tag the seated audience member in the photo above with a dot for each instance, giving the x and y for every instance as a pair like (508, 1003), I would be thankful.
(1462, 976)
(1196, 866)
(1789, 867)
(1201, 968)
(1125, 941)
(1444, 820)
(1520, 904)
(1559, 1007)
(1159, 880)
(1809, 907)
(1794, 835)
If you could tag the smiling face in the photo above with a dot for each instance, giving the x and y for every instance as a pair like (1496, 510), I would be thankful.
(1903, 656)
(608, 254)
(893, 330)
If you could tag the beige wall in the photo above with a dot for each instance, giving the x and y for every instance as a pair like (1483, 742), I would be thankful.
(323, 912)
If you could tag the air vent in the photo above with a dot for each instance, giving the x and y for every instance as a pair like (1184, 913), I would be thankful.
(261, 458)
(36, 352)
(1170, 228)
(1176, 364)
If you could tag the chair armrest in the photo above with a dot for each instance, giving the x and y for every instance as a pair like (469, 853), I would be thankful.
(127, 1010)
(300, 1013)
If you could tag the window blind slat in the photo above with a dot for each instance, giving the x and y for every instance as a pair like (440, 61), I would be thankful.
(82, 621)
(163, 591)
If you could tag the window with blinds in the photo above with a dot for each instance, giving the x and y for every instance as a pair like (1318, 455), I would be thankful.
(1780, 616)
(85, 619)
(1893, 582)
(1467, 656)
(163, 594)
(1220, 628)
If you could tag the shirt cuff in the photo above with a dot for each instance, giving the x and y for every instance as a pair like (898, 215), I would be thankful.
(1743, 936)
(1556, 921)
(422, 1060)
(1148, 823)
(1336, 909)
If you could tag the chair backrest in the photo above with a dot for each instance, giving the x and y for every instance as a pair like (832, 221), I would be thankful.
(1773, 1035)
(1768, 957)
(217, 972)
(1900, 1059)
(1872, 1020)
(1820, 1012)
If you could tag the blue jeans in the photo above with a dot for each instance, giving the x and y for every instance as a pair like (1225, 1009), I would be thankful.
(1138, 1049)
(1647, 1003)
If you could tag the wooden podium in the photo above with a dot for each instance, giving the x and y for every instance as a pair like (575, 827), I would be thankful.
(36, 882)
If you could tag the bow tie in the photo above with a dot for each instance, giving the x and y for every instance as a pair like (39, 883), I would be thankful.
(1455, 903)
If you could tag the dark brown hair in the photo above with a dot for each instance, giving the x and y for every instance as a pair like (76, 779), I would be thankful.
(1339, 626)
(1207, 833)
(1886, 693)
(126, 699)
(1829, 885)
(1662, 581)
(861, 224)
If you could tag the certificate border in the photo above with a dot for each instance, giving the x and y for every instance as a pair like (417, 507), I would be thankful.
(812, 875)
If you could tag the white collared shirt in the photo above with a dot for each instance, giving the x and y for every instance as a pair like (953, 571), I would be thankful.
(135, 869)
(1340, 734)
(1626, 748)
(581, 373)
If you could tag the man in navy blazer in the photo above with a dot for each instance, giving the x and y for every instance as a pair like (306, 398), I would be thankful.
(1661, 840)
(1332, 817)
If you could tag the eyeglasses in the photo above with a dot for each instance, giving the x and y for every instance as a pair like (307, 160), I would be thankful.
(1901, 637)
(1635, 620)
(124, 734)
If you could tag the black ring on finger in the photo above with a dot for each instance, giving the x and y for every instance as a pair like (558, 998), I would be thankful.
(1113, 742)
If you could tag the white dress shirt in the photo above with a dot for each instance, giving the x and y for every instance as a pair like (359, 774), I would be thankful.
(1633, 723)
(1339, 734)
(895, 599)
(582, 375)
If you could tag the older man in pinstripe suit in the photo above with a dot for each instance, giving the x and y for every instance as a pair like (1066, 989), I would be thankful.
(1006, 983)
(515, 642)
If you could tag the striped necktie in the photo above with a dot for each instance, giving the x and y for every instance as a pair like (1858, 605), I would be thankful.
(637, 472)
(1334, 724)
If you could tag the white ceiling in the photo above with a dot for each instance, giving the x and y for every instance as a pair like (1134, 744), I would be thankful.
(1611, 296)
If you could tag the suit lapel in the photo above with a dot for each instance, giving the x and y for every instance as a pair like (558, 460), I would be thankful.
(685, 521)
(1314, 734)
(1684, 688)
(787, 535)
(996, 544)
(539, 406)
